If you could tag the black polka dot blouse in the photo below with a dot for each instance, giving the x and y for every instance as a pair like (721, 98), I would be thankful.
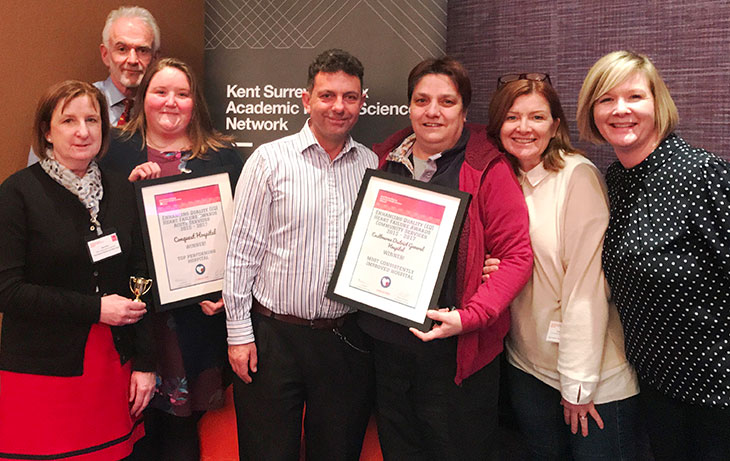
(666, 256)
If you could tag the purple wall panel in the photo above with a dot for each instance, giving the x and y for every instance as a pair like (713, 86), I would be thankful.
(689, 42)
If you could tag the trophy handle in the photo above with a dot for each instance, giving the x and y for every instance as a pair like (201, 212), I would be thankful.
(139, 286)
(147, 286)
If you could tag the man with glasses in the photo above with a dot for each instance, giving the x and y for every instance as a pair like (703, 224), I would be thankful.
(130, 40)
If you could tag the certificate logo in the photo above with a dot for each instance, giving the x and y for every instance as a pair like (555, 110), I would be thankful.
(200, 269)
(385, 281)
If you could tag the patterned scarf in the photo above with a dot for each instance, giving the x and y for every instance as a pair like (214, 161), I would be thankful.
(402, 153)
(87, 188)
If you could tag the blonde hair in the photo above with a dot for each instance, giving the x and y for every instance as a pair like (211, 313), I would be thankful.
(610, 71)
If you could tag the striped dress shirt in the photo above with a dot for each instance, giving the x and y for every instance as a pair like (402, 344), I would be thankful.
(292, 208)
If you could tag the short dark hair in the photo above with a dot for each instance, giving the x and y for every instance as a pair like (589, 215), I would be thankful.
(445, 65)
(335, 60)
(62, 93)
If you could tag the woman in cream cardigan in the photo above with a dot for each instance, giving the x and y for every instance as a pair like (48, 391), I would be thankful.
(573, 391)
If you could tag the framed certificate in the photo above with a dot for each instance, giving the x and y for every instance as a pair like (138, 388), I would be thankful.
(397, 248)
(186, 220)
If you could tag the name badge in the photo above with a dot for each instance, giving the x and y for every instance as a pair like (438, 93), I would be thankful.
(553, 334)
(104, 247)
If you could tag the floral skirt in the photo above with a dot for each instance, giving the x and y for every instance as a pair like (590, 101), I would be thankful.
(84, 418)
(191, 354)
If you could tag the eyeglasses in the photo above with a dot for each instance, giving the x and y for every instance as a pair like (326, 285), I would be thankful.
(533, 76)
(122, 49)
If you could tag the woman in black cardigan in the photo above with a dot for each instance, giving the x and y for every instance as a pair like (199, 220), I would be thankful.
(76, 365)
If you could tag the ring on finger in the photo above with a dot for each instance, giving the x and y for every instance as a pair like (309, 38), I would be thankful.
(583, 417)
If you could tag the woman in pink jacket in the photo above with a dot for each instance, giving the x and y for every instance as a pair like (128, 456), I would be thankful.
(437, 391)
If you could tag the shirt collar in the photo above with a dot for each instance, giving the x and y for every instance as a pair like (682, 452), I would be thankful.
(112, 93)
(535, 175)
(306, 139)
(657, 158)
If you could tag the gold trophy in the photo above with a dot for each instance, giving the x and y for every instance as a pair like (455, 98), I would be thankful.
(139, 286)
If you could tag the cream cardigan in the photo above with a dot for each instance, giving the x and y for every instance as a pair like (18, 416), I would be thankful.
(568, 217)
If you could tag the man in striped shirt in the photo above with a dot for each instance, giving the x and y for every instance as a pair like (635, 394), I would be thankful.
(289, 344)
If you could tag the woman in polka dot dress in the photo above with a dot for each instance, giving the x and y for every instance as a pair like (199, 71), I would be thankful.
(666, 256)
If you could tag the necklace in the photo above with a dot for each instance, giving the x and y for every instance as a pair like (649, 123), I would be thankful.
(179, 144)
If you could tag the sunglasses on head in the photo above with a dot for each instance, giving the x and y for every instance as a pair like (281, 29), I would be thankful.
(533, 76)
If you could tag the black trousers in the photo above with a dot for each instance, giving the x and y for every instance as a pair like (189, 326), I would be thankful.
(423, 415)
(683, 432)
(329, 371)
(168, 437)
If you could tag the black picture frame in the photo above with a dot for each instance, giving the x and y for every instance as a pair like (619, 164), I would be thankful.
(164, 295)
(381, 193)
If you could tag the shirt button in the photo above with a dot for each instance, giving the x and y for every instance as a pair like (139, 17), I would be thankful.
(96, 273)
(92, 227)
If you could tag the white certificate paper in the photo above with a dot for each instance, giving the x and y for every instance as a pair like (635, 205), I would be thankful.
(187, 221)
(193, 232)
(400, 237)
(397, 247)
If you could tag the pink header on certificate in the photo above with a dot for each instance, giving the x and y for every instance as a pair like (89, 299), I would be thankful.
(187, 198)
(411, 207)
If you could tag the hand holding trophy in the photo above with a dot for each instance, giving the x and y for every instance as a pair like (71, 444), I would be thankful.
(139, 286)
